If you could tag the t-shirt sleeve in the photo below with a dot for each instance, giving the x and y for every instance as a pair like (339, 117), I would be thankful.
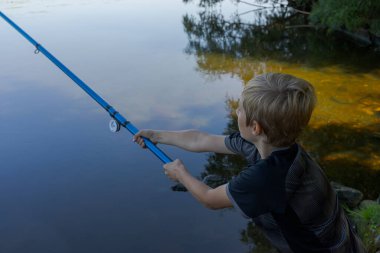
(253, 192)
(238, 145)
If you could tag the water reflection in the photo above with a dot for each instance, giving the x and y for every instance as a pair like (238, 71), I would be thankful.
(62, 172)
(204, 3)
(348, 154)
(256, 240)
(274, 34)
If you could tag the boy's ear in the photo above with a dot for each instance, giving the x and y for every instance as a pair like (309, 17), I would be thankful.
(256, 128)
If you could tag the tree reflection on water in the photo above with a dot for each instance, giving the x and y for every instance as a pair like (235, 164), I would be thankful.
(278, 33)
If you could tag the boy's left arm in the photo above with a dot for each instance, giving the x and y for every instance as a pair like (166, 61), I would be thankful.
(211, 198)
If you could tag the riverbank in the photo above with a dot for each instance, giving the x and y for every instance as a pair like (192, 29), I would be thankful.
(363, 214)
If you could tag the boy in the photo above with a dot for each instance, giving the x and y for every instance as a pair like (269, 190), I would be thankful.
(282, 190)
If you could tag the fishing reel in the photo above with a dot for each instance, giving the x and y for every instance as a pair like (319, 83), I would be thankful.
(114, 126)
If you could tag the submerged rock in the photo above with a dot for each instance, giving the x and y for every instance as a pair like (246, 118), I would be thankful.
(211, 180)
(179, 188)
(214, 180)
(347, 195)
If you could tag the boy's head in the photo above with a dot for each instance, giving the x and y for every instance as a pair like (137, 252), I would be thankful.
(281, 104)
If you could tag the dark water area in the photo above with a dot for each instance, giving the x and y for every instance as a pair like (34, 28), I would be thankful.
(67, 184)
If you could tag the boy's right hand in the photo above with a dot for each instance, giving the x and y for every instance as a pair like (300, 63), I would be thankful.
(147, 133)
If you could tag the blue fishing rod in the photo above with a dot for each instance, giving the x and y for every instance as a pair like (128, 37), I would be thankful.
(117, 119)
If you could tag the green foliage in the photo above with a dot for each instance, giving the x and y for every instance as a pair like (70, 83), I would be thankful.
(368, 221)
(350, 14)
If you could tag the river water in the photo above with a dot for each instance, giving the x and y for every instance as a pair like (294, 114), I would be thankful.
(67, 184)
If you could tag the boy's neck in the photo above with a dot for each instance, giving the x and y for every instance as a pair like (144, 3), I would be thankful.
(264, 149)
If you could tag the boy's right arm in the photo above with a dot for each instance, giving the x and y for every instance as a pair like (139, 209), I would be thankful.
(191, 140)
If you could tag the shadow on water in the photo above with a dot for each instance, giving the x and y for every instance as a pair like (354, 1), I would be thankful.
(279, 34)
(348, 155)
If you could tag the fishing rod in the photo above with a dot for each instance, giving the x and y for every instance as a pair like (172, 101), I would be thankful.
(117, 119)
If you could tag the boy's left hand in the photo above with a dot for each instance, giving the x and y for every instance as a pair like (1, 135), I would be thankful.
(174, 170)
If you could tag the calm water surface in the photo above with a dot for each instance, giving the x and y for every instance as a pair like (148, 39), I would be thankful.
(69, 185)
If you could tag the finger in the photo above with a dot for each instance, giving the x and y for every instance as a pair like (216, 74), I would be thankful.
(167, 166)
(138, 135)
(142, 143)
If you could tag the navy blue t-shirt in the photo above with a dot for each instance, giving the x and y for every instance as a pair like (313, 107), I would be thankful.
(260, 188)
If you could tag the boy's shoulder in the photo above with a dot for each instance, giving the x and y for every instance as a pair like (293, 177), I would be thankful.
(239, 145)
(276, 166)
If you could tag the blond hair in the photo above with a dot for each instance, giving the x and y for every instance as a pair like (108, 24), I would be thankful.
(282, 104)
